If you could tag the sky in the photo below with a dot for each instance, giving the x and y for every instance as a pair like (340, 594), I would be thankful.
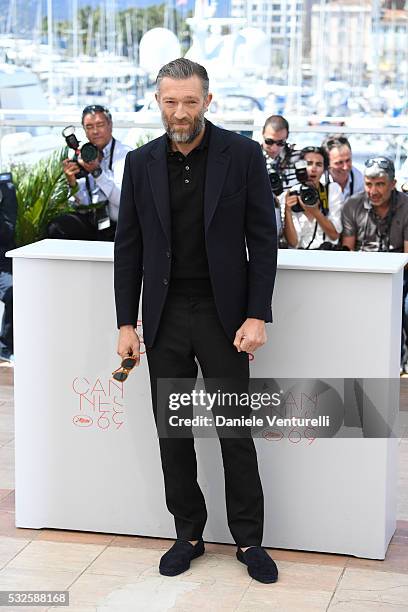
(25, 11)
(62, 8)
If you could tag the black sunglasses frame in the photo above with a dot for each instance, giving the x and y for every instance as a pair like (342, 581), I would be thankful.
(271, 141)
(381, 162)
(96, 108)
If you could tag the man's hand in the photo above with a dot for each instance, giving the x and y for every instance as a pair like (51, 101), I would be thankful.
(71, 169)
(291, 199)
(250, 336)
(313, 209)
(129, 343)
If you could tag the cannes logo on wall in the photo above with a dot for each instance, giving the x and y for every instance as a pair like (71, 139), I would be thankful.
(100, 401)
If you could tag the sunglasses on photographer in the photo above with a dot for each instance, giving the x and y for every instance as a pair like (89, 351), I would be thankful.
(381, 162)
(127, 365)
(271, 141)
(96, 108)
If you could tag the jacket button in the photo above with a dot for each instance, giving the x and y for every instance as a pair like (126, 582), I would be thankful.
(165, 281)
(168, 254)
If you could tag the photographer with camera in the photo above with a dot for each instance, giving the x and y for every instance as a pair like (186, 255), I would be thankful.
(279, 155)
(279, 158)
(312, 209)
(341, 169)
(377, 220)
(8, 219)
(94, 175)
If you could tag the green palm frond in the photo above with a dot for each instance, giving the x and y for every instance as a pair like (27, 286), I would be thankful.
(42, 194)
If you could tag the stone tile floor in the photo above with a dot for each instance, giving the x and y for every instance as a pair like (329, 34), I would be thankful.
(107, 573)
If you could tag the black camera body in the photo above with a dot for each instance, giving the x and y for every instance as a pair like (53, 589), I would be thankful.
(276, 182)
(88, 151)
(281, 171)
(307, 193)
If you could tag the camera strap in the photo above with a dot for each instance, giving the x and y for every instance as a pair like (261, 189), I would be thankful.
(87, 181)
(382, 236)
(324, 207)
(111, 153)
(313, 237)
(324, 198)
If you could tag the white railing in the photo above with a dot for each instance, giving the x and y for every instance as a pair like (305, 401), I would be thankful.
(377, 135)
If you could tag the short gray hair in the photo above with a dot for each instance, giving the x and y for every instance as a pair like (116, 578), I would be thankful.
(183, 68)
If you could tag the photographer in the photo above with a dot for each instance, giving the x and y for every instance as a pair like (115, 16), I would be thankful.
(94, 185)
(278, 153)
(312, 209)
(279, 158)
(8, 218)
(377, 220)
(341, 169)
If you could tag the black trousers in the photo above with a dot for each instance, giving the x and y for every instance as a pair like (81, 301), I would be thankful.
(79, 226)
(190, 329)
(6, 332)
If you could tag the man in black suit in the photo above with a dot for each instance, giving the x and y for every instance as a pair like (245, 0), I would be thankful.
(197, 224)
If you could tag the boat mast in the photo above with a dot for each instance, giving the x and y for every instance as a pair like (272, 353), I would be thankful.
(321, 54)
(75, 49)
(50, 37)
(376, 46)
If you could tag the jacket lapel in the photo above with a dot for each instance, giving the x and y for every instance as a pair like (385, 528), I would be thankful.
(158, 177)
(217, 166)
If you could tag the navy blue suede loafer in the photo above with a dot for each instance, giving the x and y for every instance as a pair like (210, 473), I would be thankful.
(177, 559)
(260, 565)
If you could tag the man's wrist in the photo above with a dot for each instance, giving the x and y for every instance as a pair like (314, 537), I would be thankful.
(255, 318)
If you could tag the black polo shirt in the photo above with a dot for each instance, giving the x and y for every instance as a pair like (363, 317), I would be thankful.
(186, 175)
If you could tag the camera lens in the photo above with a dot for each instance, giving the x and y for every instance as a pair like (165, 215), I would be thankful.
(89, 152)
(309, 195)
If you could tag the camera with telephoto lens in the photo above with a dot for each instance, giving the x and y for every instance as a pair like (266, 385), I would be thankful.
(88, 151)
(307, 193)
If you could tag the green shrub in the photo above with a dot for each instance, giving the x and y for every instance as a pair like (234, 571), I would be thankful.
(42, 194)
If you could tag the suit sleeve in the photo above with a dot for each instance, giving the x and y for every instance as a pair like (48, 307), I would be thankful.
(128, 253)
(261, 238)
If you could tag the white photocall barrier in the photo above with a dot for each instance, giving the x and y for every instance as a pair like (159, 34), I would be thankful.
(87, 455)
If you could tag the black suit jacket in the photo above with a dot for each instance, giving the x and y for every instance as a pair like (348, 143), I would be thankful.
(240, 231)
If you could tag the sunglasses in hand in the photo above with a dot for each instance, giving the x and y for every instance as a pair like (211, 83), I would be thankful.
(128, 363)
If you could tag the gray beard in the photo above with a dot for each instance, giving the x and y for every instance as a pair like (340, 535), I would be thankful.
(185, 137)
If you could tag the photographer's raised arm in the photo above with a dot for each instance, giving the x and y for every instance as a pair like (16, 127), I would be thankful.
(71, 169)
(78, 189)
(326, 225)
(289, 230)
